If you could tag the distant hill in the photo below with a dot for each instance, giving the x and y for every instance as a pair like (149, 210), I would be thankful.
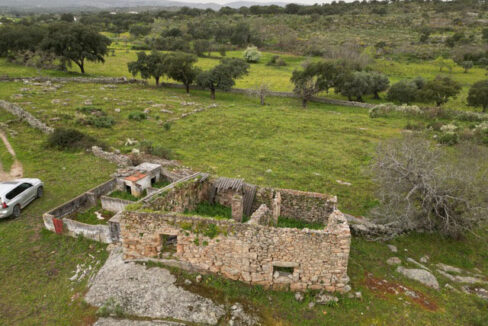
(26, 4)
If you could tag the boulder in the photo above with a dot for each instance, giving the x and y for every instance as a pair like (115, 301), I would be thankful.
(392, 248)
(420, 275)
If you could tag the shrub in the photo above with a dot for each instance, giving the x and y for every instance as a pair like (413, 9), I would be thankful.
(101, 122)
(64, 139)
(252, 55)
(87, 110)
(426, 187)
(449, 138)
(403, 92)
(137, 116)
(156, 150)
(276, 60)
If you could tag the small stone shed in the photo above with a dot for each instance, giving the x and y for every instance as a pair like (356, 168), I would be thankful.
(256, 251)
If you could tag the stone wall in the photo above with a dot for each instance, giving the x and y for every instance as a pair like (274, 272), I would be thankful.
(324, 100)
(181, 196)
(25, 116)
(295, 204)
(255, 254)
(98, 232)
(83, 201)
(119, 159)
(84, 80)
(114, 204)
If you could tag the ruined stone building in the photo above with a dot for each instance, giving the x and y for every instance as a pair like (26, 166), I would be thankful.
(251, 246)
(255, 251)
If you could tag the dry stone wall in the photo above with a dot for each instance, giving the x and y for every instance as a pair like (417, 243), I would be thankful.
(181, 197)
(255, 254)
(25, 116)
(295, 204)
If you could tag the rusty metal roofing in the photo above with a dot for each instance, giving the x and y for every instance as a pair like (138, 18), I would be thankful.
(136, 177)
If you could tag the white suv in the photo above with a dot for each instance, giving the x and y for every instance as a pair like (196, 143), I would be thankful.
(17, 194)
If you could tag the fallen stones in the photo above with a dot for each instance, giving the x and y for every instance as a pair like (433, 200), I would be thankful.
(344, 183)
(424, 259)
(394, 261)
(238, 317)
(299, 296)
(324, 298)
(392, 248)
(421, 275)
(462, 279)
(413, 261)
(449, 269)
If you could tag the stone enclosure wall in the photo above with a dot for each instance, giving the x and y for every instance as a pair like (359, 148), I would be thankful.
(280, 258)
(25, 116)
(295, 204)
(74, 228)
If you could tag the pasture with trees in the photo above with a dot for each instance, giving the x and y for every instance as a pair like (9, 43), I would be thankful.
(395, 126)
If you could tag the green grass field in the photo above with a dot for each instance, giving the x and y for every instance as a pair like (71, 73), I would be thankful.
(305, 149)
(280, 145)
(277, 78)
(36, 264)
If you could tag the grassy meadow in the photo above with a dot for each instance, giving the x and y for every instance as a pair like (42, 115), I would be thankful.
(277, 78)
(36, 264)
(320, 148)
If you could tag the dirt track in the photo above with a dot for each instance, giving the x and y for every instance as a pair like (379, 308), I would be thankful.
(16, 171)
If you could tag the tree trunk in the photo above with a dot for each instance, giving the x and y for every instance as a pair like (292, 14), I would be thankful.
(187, 87)
(484, 108)
(82, 66)
(262, 100)
(157, 81)
(376, 95)
(304, 103)
(212, 93)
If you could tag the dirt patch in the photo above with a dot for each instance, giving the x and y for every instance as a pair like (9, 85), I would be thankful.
(16, 170)
(384, 288)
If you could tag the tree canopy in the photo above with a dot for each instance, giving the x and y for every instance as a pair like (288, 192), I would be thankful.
(148, 66)
(76, 43)
(478, 94)
(180, 67)
(223, 75)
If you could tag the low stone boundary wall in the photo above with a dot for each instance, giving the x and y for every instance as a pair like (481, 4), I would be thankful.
(318, 99)
(25, 116)
(85, 80)
(114, 204)
(280, 258)
(119, 159)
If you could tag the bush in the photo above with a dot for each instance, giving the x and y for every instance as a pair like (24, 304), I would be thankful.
(137, 116)
(101, 122)
(449, 138)
(251, 54)
(426, 187)
(276, 60)
(65, 139)
(156, 150)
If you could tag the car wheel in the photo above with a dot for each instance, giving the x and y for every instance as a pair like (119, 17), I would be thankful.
(16, 211)
(40, 192)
